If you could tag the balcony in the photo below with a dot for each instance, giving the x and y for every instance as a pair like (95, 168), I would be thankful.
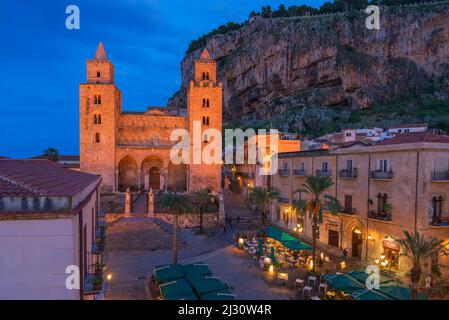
(379, 215)
(284, 172)
(382, 175)
(283, 200)
(348, 174)
(442, 221)
(323, 173)
(440, 175)
(300, 173)
(349, 211)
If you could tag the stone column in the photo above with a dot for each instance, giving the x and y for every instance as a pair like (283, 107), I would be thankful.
(116, 180)
(150, 204)
(128, 203)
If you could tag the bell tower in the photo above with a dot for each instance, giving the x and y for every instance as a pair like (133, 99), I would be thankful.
(204, 106)
(100, 106)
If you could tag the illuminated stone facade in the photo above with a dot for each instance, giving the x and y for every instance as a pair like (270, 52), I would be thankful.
(132, 149)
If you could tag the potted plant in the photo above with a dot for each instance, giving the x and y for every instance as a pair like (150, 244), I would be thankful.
(97, 283)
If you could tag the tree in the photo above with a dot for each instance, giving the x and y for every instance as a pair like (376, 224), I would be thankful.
(266, 12)
(201, 197)
(261, 197)
(51, 154)
(177, 204)
(419, 250)
(315, 186)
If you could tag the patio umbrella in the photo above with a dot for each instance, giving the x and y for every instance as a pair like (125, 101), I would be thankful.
(370, 295)
(177, 290)
(399, 292)
(272, 256)
(203, 285)
(168, 272)
(225, 294)
(295, 244)
(197, 269)
(260, 248)
(345, 283)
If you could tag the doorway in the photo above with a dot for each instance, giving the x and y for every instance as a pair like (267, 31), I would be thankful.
(357, 243)
(155, 178)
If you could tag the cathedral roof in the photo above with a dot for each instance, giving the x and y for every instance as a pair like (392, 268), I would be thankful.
(100, 54)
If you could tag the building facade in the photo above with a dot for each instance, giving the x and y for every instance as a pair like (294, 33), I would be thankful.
(48, 224)
(400, 184)
(132, 149)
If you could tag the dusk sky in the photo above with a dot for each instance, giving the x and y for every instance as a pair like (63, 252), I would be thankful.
(42, 62)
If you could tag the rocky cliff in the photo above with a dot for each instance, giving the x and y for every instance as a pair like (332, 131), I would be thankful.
(272, 66)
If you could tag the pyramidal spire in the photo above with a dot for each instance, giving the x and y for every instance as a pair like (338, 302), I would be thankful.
(205, 55)
(100, 54)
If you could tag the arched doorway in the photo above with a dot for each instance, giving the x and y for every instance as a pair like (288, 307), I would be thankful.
(357, 243)
(127, 173)
(154, 178)
(152, 168)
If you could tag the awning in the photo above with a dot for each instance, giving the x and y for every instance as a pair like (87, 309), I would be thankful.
(204, 285)
(399, 292)
(177, 290)
(168, 272)
(370, 295)
(225, 294)
(285, 239)
(345, 283)
(197, 269)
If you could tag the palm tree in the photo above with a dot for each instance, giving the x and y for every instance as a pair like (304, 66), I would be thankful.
(51, 154)
(316, 186)
(177, 204)
(419, 250)
(201, 197)
(261, 197)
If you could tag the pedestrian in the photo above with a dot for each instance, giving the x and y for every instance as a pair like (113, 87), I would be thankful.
(345, 254)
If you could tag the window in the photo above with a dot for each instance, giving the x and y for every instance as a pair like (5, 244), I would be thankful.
(437, 204)
(98, 74)
(97, 118)
(205, 138)
(285, 166)
(99, 99)
(95, 99)
(348, 204)
(349, 165)
(383, 166)
(206, 121)
(324, 166)
(205, 75)
(205, 103)
(348, 134)
(97, 137)
(382, 201)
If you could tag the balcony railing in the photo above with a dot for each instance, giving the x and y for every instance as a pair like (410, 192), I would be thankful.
(380, 215)
(440, 175)
(382, 175)
(283, 200)
(284, 172)
(323, 173)
(349, 174)
(300, 173)
(442, 221)
(349, 211)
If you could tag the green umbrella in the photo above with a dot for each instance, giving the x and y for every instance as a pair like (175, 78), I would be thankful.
(272, 256)
(260, 249)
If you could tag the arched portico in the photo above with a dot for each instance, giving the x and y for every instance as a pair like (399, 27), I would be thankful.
(127, 173)
(153, 174)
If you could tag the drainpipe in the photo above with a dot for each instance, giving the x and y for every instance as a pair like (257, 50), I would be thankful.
(416, 190)
(81, 253)
(367, 207)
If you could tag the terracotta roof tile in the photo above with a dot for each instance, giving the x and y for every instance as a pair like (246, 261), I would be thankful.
(41, 177)
(416, 138)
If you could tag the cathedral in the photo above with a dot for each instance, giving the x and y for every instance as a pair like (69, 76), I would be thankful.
(132, 149)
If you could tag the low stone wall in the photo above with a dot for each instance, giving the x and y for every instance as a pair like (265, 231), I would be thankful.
(192, 220)
(113, 217)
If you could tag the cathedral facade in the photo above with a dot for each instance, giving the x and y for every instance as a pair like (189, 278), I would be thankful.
(132, 149)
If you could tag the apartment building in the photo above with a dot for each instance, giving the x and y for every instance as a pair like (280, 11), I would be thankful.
(398, 184)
